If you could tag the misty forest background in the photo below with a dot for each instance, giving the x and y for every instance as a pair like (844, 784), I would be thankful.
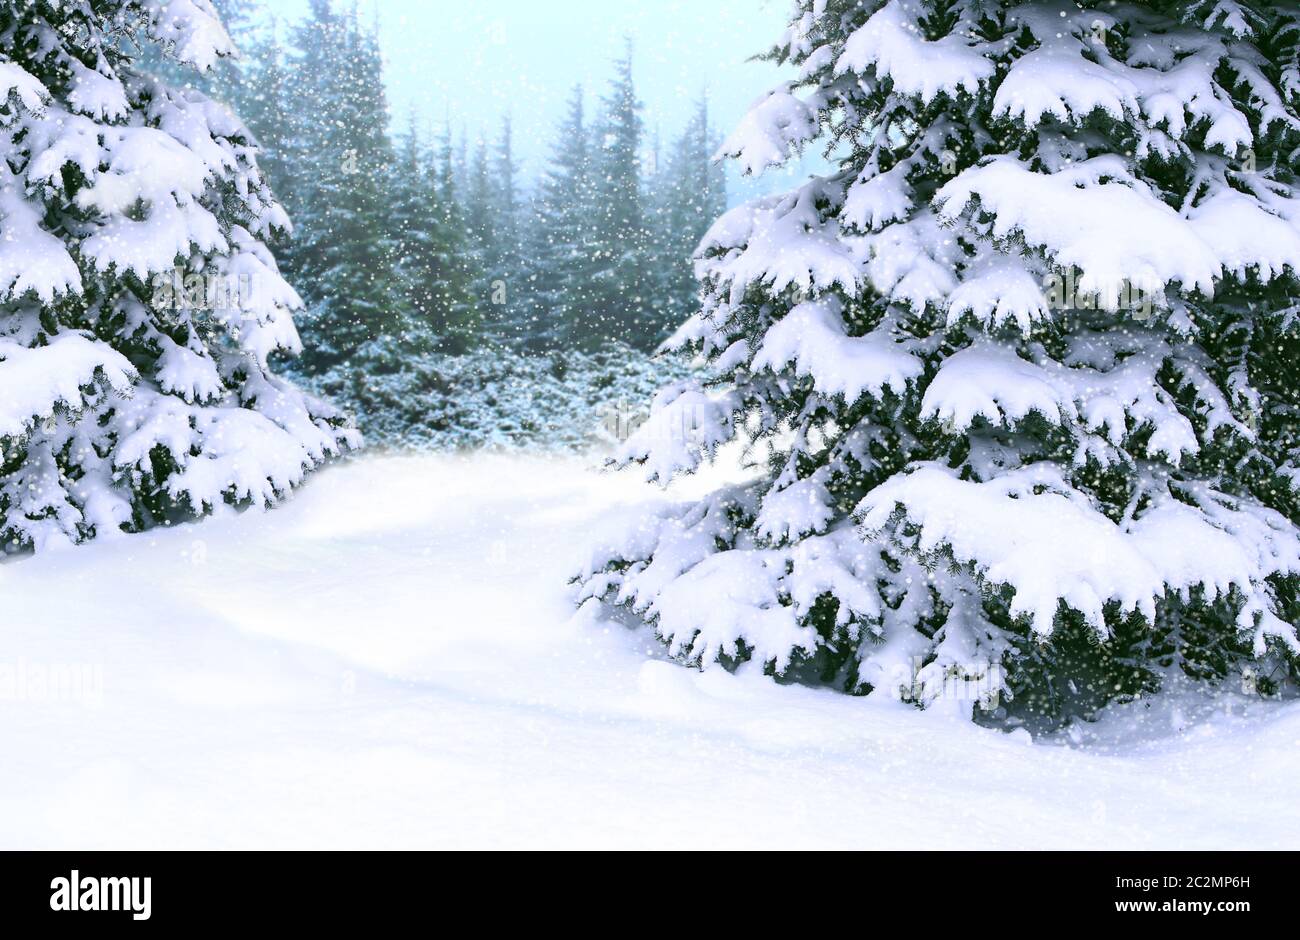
(450, 302)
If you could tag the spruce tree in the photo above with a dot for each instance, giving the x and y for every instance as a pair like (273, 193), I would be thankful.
(463, 314)
(265, 101)
(479, 207)
(431, 279)
(561, 247)
(343, 255)
(505, 195)
(622, 242)
(689, 192)
(138, 301)
(1022, 362)
(509, 288)
(461, 163)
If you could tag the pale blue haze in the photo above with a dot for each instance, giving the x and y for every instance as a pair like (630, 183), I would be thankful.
(473, 62)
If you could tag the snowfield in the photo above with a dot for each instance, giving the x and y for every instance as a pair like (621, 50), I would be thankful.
(392, 659)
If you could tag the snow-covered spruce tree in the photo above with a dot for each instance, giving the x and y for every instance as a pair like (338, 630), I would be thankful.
(1024, 363)
(503, 292)
(427, 263)
(559, 243)
(344, 255)
(620, 288)
(688, 192)
(138, 303)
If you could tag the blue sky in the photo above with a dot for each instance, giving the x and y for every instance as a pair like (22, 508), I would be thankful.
(476, 61)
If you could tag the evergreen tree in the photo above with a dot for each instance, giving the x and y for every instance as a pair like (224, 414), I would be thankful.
(506, 192)
(265, 101)
(344, 251)
(457, 258)
(561, 250)
(622, 243)
(689, 192)
(138, 301)
(462, 162)
(431, 277)
(479, 212)
(1023, 361)
(509, 287)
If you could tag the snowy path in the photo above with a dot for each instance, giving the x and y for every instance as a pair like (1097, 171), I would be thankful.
(391, 660)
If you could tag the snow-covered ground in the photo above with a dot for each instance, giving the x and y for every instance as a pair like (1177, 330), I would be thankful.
(392, 660)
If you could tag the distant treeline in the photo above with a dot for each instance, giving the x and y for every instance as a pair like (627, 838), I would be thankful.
(412, 243)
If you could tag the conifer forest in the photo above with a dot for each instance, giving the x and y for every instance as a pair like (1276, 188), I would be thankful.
(735, 424)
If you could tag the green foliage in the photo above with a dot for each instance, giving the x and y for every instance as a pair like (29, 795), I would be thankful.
(424, 243)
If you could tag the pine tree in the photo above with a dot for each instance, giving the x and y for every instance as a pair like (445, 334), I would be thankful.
(561, 247)
(479, 210)
(462, 162)
(139, 301)
(622, 242)
(689, 192)
(431, 280)
(265, 102)
(508, 290)
(505, 195)
(464, 314)
(344, 253)
(1023, 362)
